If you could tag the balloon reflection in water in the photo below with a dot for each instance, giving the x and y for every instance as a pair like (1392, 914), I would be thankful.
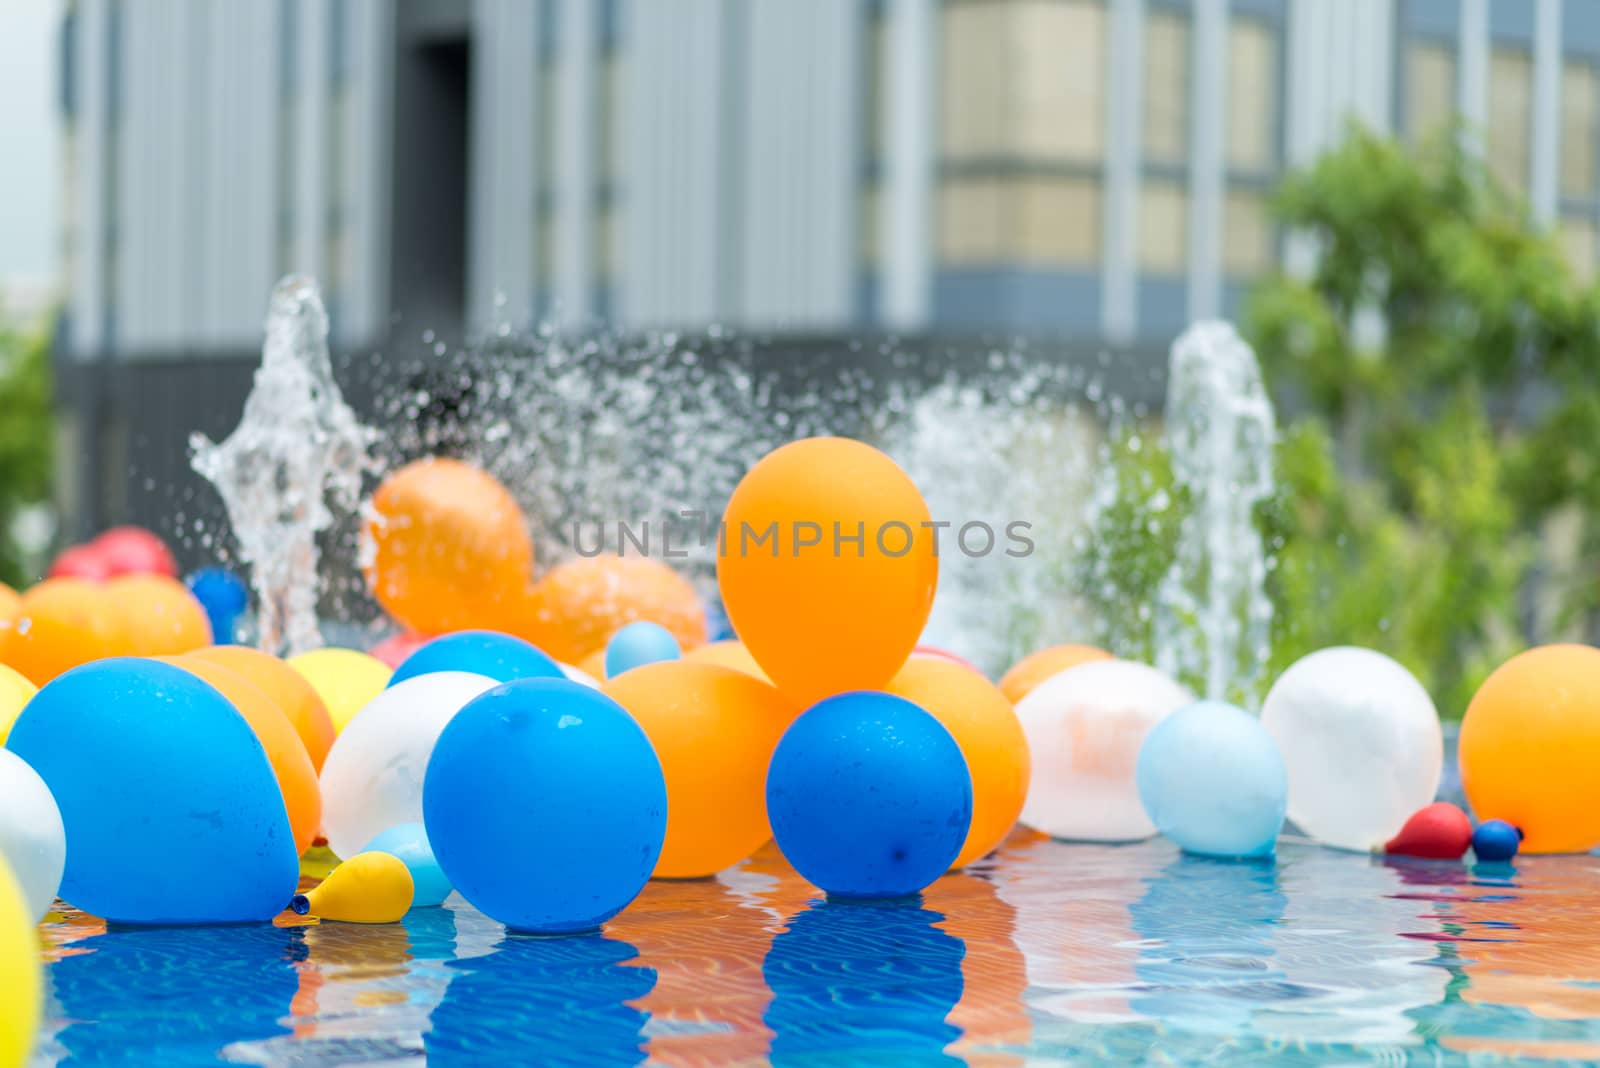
(863, 982)
(543, 1001)
(216, 986)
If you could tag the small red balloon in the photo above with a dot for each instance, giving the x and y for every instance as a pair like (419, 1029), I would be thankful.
(393, 650)
(81, 562)
(135, 551)
(1439, 831)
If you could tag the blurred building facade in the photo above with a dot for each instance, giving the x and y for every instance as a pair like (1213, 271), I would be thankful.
(1092, 168)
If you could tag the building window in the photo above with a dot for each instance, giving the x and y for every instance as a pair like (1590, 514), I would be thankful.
(1166, 89)
(1430, 88)
(1579, 89)
(1510, 115)
(1252, 93)
(1246, 234)
(1163, 227)
(1022, 133)
(1578, 240)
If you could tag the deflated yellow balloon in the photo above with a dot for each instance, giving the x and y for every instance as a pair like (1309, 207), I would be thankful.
(368, 888)
(15, 692)
(19, 974)
(344, 678)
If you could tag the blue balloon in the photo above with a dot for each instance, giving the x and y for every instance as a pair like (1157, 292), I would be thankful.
(173, 814)
(1212, 780)
(869, 796)
(224, 596)
(409, 842)
(1496, 840)
(638, 644)
(546, 805)
(482, 652)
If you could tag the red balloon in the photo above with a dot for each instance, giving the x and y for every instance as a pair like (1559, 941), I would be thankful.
(135, 551)
(393, 650)
(1439, 831)
(81, 562)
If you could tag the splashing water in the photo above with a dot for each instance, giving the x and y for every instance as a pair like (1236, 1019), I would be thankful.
(297, 446)
(1212, 615)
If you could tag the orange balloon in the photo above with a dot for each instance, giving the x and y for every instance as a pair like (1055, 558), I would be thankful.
(1529, 746)
(1034, 668)
(297, 779)
(61, 623)
(731, 654)
(821, 612)
(594, 665)
(986, 728)
(714, 730)
(577, 607)
(163, 617)
(287, 688)
(451, 549)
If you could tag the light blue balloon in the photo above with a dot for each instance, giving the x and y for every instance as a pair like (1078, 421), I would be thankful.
(1212, 780)
(546, 805)
(409, 842)
(638, 644)
(500, 657)
(173, 814)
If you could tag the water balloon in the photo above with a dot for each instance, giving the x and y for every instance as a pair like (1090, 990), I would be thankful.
(1211, 779)
(713, 730)
(1496, 840)
(344, 680)
(33, 842)
(394, 649)
(224, 596)
(80, 562)
(162, 618)
(869, 796)
(367, 888)
(579, 604)
(450, 549)
(1529, 746)
(637, 644)
(62, 622)
(291, 764)
(1361, 741)
(728, 653)
(1034, 668)
(372, 778)
(409, 842)
(481, 652)
(986, 728)
(295, 698)
(135, 551)
(829, 566)
(1085, 727)
(546, 805)
(20, 975)
(171, 809)
(1439, 831)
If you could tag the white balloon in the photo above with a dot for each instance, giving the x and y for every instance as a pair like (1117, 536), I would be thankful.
(372, 778)
(578, 675)
(1084, 728)
(32, 838)
(1361, 741)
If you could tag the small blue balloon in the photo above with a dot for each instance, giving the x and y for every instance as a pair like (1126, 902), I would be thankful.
(869, 796)
(173, 814)
(1211, 778)
(546, 805)
(224, 596)
(1496, 840)
(500, 657)
(638, 644)
(409, 842)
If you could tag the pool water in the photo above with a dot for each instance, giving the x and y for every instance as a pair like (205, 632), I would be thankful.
(1046, 952)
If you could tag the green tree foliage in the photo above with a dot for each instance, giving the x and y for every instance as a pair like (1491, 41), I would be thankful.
(25, 436)
(1439, 375)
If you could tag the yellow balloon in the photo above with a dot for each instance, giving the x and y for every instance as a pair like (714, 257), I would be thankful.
(344, 678)
(368, 888)
(15, 692)
(19, 974)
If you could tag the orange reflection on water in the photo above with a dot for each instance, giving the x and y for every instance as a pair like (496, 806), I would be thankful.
(994, 974)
